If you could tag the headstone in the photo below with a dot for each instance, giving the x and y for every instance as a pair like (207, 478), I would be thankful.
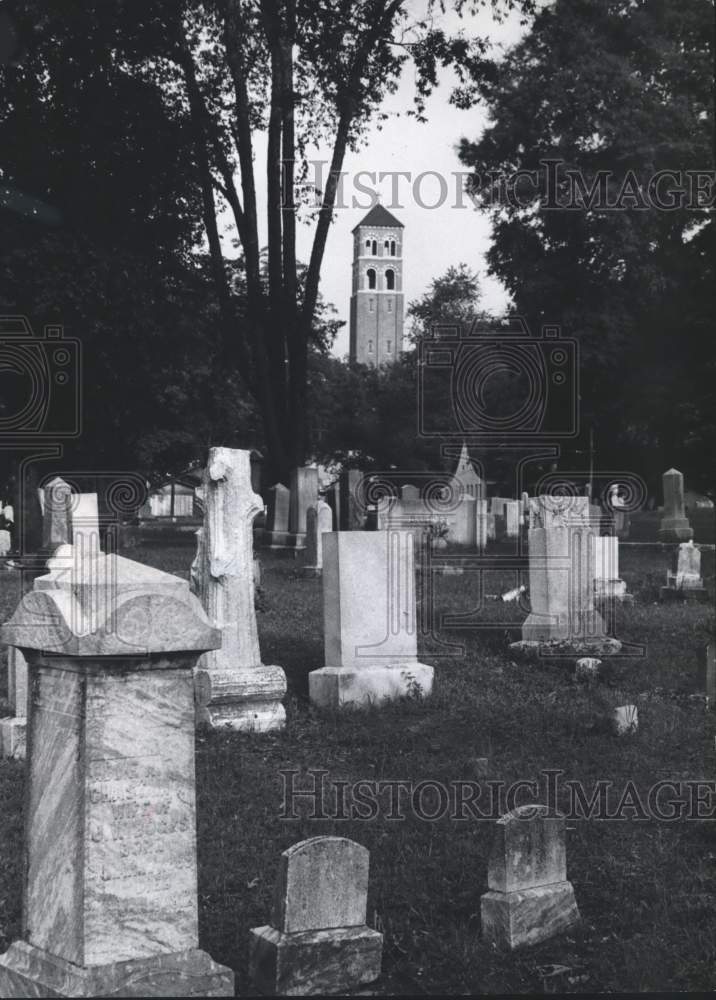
(674, 524)
(525, 503)
(233, 687)
(463, 529)
(318, 520)
(110, 879)
(626, 719)
(57, 514)
(530, 899)
(563, 619)
(481, 528)
(409, 493)
(5, 542)
(512, 519)
(318, 941)
(276, 534)
(490, 527)
(304, 494)
(369, 619)
(13, 730)
(465, 478)
(352, 515)
(685, 580)
(606, 568)
(84, 518)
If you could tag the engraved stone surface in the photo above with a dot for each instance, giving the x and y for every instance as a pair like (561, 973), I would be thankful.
(110, 822)
(234, 689)
(530, 898)
(369, 615)
(319, 941)
(84, 517)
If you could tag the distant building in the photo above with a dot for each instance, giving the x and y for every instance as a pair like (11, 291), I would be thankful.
(376, 320)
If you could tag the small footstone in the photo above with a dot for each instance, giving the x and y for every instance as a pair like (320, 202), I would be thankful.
(587, 669)
(318, 942)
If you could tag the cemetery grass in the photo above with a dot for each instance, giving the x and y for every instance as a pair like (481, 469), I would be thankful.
(646, 889)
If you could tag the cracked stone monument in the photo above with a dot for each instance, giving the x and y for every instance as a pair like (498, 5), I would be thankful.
(110, 881)
(674, 523)
(234, 688)
(530, 899)
(304, 494)
(684, 582)
(276, 533)
(369, 620)
(563, 620)
(319, 519)
(318, 941)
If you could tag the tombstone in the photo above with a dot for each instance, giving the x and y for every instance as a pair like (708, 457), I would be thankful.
(587, 669)
(318, 941)
(13, 730)
(5, 542)
(84, 520)
(369, 619)
(56, 514)
(490, 527)
(463, 526)
(234, 689)
(409, 493)
(110, 879)
(563, 619)
(674, 524)
(684, 582)
(319, 519)
(465, 479)
(304, 494)
(352, 516)
(626, 719)
(529, 898)
(512, 518)
(276, 533)
(606, 569)
(525, 504)
(481, 530)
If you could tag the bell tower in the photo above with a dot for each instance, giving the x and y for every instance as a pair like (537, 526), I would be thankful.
(376, 323)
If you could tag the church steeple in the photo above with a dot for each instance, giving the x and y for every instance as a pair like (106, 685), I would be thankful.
(376, 324)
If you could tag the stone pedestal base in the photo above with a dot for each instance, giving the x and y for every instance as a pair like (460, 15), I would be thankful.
(540, 628)
(26, 971)
(683, 594)
(275, 539)
(597, 646)
(247, 700)
(13, 738)
(528, 916)
(334, 687)
(675, 529)
(307, 963)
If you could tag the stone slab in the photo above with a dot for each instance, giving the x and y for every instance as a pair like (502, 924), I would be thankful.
(314, 962)
(26, 971)
(322, 885)
(13, 738)
(599, 647)
(335, 687)
(527, 917)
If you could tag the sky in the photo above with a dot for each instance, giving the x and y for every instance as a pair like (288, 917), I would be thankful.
(442, 227)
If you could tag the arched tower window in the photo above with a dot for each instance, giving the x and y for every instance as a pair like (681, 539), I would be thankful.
(370, 346)
(367, 244)
(392, 248)
(390, 279)
(374, 248)
(370, 275)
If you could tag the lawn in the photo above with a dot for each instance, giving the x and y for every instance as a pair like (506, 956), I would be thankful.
(646, 889)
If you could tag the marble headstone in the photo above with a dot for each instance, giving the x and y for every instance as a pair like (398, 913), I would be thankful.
(674, 526)
(304, 494)
(276, 534)
(318, 521)
(318, 940)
